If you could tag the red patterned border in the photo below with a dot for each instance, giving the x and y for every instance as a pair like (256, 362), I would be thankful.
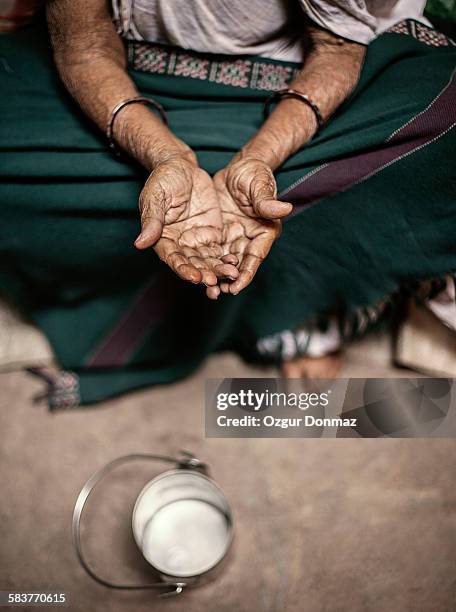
(236, 72)
(422, 33)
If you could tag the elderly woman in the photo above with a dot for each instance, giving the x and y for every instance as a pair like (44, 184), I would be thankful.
(229, 120)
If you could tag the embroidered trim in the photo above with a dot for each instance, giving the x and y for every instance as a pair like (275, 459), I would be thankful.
(63, 387)
(421, 32)
(157, 59)
(245, 73)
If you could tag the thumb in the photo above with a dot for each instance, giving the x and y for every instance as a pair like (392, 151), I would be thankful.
(272, 209)
(263, 196)
(152, 221)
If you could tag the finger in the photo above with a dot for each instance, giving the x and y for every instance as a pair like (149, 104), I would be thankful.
(152, 220)
(226, 271)
(175, 259)
(225, 287)
(252, 261)
(189, 273)
(214, 268)
(168, 252)
(213, 292)
(151, 231)
(181, 266)
(272, 209)
(152, 204)
(230, 259)
(208, 278)
(263, 196)
(250, 265)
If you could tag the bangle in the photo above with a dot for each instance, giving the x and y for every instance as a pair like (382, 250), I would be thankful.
(116, 110)
(293, 93)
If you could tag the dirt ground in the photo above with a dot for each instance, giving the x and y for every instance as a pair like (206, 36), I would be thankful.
(342, 525)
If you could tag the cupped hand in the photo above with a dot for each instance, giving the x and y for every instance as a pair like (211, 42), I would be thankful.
(182, 220)
(251, 215)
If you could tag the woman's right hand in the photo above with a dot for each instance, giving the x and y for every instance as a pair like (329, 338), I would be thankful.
(182, 221)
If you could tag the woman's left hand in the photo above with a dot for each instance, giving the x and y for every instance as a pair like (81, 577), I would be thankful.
(251, 216)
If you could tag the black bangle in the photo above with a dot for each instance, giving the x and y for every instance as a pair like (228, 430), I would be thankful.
(115, 111)
(292, 93)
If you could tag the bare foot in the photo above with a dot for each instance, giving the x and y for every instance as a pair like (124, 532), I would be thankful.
(313, 367)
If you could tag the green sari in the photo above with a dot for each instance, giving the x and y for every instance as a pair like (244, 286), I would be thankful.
(374, 195)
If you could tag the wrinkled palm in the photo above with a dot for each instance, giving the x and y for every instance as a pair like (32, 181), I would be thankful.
(246, 236)
(181, 218)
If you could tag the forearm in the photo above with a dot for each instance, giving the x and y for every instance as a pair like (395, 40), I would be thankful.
(91, 62)
(328, 76)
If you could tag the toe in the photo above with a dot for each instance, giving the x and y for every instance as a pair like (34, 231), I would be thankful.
(290, 369)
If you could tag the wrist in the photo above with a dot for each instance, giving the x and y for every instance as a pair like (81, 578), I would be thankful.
(255, 152)
(245, 157)
(168, 150)
(302, 116)
(144, 136)
(262, 150)
(289, 127)
(299, 124)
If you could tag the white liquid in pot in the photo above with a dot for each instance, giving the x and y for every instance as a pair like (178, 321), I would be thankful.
(185, 538)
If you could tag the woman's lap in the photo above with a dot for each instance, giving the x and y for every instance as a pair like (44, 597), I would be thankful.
(377, 216)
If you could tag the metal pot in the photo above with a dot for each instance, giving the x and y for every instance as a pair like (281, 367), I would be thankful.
(181, 521)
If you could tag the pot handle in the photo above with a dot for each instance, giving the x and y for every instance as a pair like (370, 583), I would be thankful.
(185, 460)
